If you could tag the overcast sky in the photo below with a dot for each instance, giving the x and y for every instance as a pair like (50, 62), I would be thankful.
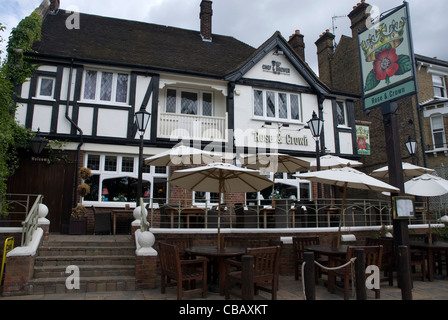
(254, 21)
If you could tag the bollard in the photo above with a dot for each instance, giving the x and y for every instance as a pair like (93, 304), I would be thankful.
(360, 275)
(247, 285)
(404, 273)
(309, 276)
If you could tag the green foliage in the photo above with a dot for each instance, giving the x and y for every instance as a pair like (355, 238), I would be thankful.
(14, 71)
(22, 38)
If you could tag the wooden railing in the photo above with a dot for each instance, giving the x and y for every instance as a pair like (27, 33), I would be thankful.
(193, 127)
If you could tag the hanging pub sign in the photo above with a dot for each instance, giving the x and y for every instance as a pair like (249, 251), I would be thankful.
(387, 58)
(363, 140)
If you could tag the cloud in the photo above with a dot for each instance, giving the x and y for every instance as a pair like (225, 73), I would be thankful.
(254, 21)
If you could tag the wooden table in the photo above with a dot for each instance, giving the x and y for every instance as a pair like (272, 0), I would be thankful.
(188, 212)
(120, 212)
(333, 254)
(431, 249)
(218, 256)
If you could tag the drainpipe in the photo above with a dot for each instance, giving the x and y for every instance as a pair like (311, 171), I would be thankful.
(78, 151)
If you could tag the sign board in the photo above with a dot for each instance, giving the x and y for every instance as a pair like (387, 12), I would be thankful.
(387, 59)
(363, 140)
(403, 207)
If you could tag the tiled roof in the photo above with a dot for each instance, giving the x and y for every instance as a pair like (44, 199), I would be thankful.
(151, 46)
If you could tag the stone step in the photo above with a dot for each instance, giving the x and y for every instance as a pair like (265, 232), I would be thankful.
(87, 284)
(84, 260)
(51, 250)
(85, 271)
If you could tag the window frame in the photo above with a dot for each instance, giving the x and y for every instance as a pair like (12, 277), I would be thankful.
(98, 87)
(438, 131)
(200, 102)
(344, 109)
(266, 93)
(441, 87)
(119, 173)
(39, 88)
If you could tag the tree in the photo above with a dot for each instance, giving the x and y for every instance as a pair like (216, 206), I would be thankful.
(14, 71)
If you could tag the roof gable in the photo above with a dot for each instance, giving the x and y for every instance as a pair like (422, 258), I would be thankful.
(278, 43)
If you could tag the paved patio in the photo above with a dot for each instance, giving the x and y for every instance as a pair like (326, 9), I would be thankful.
(289, 290)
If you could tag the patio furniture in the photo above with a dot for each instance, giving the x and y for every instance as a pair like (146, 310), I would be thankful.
(102, 224)
(241, 242)
(217, 259)
(372, 256)
(127, 215)
(245, 218)
(266, 271)
(388, 260)
(181, 244)
(299, 246)
(173, 268)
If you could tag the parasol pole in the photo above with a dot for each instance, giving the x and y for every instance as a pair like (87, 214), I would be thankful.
(428, 216)
(219, 212)
(341, 217)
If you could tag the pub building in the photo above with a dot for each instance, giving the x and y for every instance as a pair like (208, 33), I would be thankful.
(203, 90)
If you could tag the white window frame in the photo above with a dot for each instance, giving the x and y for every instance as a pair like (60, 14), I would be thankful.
(200, 95)
(39, 87)
(442, 87)
(207, 202)
(105, 175)
(439, 130)
(344, 109)
(277, 117)
(97, 98)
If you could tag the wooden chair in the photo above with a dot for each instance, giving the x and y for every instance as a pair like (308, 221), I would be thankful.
(373, 256)
(181, 244)
(299, 244)
(266, 271)
(173, 268)
(388, 260)
(242, 242)
(102, 224)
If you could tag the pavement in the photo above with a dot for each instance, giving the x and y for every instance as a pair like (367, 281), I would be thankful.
(289, 290)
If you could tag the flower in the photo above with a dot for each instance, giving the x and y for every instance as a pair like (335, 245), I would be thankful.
(362, 144)
(385, 65)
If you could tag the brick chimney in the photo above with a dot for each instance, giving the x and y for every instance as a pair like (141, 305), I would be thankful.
(206, 20)
(358, 17)
(325, 51)
(54, 5)
(297, 43)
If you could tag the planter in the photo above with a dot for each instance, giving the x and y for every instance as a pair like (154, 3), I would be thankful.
(78, 226)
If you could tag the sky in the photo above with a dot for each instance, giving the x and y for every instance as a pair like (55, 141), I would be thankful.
(254, 21)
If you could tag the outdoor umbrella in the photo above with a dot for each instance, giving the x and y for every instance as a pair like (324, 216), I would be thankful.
(275, 162)
(329, 162)
(182, 156)
(409, 170)
(348, 178)
(220, 178)
(427, 185)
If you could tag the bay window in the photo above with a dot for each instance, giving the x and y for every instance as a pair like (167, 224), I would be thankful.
(115, 180)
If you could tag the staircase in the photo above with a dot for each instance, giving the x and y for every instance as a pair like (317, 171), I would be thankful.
(106, 263)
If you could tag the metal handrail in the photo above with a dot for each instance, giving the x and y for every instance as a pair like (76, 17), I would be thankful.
(29, 226)
(322, 213)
